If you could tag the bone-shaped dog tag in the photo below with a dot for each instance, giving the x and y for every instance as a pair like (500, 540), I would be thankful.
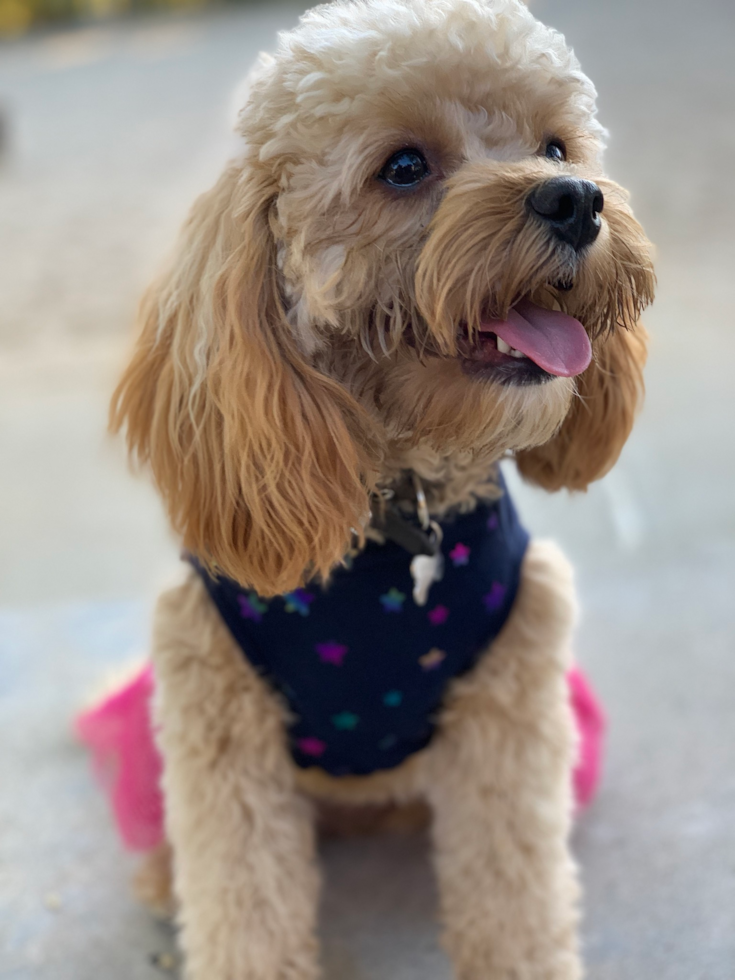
(427, 569)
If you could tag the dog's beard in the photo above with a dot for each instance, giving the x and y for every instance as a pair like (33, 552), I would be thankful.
(483, 254)
(424, 397)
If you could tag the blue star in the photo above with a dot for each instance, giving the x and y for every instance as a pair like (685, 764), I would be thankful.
(298, 601)
(393, 600)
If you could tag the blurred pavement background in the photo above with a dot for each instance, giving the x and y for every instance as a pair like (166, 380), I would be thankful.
(110, 131)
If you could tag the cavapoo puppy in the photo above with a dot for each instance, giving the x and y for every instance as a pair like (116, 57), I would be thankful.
(415, 268)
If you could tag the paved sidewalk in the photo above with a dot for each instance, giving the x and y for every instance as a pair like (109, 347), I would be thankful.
(112, 132)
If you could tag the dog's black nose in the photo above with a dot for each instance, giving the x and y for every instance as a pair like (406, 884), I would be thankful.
(571, 207)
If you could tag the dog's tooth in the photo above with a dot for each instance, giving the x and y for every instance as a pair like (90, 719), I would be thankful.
(503, 347)
(516, 353)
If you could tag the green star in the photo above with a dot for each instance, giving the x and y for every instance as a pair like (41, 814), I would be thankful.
(345, 720)
(392, 699)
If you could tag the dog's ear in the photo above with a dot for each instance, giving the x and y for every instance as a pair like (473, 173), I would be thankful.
(264, 463)
(594, 432)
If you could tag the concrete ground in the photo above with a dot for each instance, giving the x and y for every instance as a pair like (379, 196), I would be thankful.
(111, 132)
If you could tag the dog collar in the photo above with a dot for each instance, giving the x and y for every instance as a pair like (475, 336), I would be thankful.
(418, 537)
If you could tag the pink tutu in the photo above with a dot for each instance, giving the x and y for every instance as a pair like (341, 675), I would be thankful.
(591, 723)
(119, 733)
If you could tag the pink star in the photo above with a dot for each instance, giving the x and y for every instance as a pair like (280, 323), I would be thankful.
(460, 554)
(438, 615)
(494, 599)
(332, 653)
(312, 746)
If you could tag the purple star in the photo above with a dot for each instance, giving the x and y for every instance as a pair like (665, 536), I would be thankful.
(438, 615)
(251, 607)
(492, 522)
(311, 746)
(460, 554)
(494, 598)
(332, 653)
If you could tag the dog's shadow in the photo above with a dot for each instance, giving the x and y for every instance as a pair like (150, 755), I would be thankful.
(379, 910)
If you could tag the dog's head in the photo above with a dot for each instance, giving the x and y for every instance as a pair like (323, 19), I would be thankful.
(417, 249)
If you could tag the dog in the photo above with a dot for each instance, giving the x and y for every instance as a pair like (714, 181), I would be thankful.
(415, 268)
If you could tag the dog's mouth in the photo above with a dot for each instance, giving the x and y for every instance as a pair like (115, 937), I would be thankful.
(531, 345)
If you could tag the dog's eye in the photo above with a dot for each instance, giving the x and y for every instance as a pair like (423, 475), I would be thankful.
(555, 150)
(405, 169)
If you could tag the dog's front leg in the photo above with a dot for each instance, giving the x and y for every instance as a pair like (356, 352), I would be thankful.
(500, 786)
(243, 840)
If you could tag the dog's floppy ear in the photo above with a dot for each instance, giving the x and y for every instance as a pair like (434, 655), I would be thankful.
(263, 463)
(594, 432)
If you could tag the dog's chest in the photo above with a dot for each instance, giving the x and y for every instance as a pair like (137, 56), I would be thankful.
(362, 667)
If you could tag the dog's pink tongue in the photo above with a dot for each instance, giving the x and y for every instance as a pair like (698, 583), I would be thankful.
(555, 341)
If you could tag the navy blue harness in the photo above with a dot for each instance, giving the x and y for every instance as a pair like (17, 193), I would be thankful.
(362, 668)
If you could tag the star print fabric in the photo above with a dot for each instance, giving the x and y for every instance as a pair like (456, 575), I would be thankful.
(362, 667)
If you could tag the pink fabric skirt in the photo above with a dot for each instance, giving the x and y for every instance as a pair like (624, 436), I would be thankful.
(119, 733)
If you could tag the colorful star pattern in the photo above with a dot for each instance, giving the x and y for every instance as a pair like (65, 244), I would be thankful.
(433, 659)
(360, 666)
(393, 600)
(252, 607)
(494, 598)
(346, 721)
(438, 615)
(298, 601)
(332, 653)
(312, 746)
(460, 554)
